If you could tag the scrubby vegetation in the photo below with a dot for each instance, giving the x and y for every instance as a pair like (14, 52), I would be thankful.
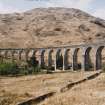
(13, 68)
(8, 69)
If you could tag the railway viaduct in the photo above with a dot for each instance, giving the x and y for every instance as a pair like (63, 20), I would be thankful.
(61, 54)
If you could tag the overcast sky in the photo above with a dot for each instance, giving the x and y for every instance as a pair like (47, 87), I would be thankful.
(94, 7)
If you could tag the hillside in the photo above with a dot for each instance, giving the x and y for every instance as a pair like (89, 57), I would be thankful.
(43, 27)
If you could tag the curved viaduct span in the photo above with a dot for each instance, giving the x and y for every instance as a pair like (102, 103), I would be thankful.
(50, 56)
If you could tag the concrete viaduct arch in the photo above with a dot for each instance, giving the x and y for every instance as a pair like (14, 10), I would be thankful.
(98, 57)
(58, 56)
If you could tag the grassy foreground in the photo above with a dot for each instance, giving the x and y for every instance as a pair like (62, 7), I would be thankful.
(17, 89)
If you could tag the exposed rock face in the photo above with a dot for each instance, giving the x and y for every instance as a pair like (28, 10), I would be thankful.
(50, 27)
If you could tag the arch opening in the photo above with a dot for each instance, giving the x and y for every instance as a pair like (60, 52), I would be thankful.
(59, 59)
(2, 53)
(29, 54)
(42, 60)
(77, 59)
(7, 55)
(100, 58)
(89, 59)
(50, 60)
(35, 58)
(67, 59)
(22, 55)
(15, 54)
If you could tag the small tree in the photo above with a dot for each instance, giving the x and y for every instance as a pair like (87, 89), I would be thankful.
(33, 65)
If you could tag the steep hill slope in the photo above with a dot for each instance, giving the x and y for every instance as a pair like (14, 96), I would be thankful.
(43, 27)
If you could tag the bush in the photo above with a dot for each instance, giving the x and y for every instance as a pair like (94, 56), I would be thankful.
(33, 66)
(8, 69)
(11, 69)
(36, 69)
(33, 62)
(15, 69)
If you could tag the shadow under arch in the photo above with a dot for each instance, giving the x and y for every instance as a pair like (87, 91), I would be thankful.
(6, 53)
(59, 59)
(75, 64)
(13, 53)
(34, 53)
(42, 60)
(66, 59)
(2, 55)
(31, 57)
(87, 59)
(50, 58)
(99, 57)
(34, 56)
(29, 53)
(22, 55)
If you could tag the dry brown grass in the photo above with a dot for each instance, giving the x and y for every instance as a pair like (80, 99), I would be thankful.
(23, 88)
(88, 93)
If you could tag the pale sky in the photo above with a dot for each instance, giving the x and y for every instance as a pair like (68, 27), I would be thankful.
(94, 7)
